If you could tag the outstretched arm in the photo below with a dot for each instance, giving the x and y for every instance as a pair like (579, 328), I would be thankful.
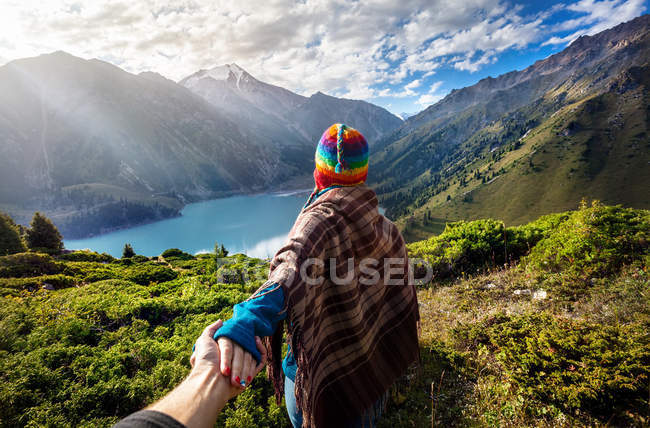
(197, 401)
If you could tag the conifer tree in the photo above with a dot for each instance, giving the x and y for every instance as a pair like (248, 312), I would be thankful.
(128, 251)
(43, 234)
(10, 239)
(220, 251)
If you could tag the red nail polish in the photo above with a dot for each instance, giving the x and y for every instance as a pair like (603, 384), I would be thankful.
(237, 379)
(248, 379)
(227, 371)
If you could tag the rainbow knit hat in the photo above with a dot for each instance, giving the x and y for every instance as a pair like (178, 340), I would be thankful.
(341, 157)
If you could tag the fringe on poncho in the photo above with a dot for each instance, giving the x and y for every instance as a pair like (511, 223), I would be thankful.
(353, 337)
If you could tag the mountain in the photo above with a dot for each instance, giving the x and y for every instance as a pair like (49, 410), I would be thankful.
(284, 116)
(99, 148)
(83, 133)
(258, 110)
(319, 111)
(528, 142)
(228, 84)
(405, 115)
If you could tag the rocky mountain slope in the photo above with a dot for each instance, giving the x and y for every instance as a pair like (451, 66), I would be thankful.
(66, 121)
(528, 142)
(284, 116)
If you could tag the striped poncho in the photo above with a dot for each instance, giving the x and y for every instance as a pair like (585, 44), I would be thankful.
(352, 336)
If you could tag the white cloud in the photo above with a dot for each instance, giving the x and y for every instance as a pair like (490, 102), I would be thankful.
(598, 16)
(414, 84)
(432, 96)
(472, 66)
(409, 90)
(343, 48)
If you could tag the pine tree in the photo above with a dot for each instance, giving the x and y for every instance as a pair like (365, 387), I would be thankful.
(220, 251)
(127, 252)
(10, 239)
(43, 234)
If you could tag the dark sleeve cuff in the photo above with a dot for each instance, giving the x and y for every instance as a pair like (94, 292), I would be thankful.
(148, 419)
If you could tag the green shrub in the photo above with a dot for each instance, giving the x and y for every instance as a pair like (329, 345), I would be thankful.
(468, 247)
(28, 264)
(56, 281)
(86, 256)
(177, 254)
(521, 239)
(139, 259)
(574, 364)
(144, 274)
(185, 264)
(88, 356)
(593, 242)
(100, 275)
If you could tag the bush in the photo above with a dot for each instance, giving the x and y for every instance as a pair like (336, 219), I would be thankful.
(177, 254)
(86, 256)
(88, 356)
(574, 364)
(467, 247)
(28, 264)
(521, 239)
(139, 259)
(593, 242)
(57, 282)
(100, 275)
(144, 274)
(185, 264)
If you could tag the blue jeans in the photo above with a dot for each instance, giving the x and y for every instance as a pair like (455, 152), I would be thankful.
(295, 415)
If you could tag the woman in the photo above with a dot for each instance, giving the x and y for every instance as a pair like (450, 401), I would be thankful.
(342, 283)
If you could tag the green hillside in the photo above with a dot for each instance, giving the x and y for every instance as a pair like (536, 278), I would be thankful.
(598, 147)
(529, 142)
(544, 324)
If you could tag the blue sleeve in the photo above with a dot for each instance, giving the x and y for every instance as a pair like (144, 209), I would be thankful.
(257, 316)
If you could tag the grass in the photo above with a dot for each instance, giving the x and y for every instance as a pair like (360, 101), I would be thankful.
(551, 332)
(606, 158)
(472, 384)
(581, 139)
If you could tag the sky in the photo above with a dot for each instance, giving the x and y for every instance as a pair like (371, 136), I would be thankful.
(401, 54)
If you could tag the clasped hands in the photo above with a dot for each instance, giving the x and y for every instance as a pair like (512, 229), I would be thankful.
(227, 357)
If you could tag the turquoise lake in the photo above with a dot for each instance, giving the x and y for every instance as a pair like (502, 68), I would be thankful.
(253, 224)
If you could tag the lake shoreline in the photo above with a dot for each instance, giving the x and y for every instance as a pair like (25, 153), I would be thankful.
(221, 195)
(255, 221)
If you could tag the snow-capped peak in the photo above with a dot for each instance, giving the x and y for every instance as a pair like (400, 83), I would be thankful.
(222, 72)
(236, 70)
(230, 73)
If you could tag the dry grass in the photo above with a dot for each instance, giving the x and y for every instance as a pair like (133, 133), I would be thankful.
(462, 385)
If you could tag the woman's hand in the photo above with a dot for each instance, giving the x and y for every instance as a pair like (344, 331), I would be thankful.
(238, 364)
(208, 356)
